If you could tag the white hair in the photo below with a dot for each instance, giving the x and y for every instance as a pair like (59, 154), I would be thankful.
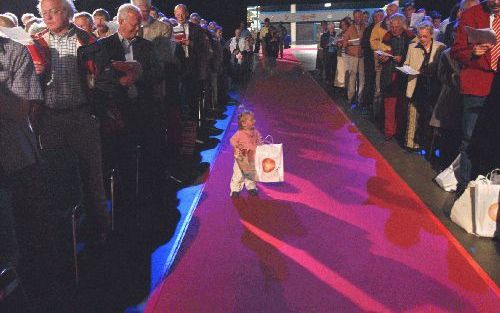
(86, 15)
(68, 6)
(13, 17)
(425, 25)
(398, 17)
(125, 9)
(137, 2)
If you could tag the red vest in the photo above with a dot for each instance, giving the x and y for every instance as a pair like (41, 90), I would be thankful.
(476, 76)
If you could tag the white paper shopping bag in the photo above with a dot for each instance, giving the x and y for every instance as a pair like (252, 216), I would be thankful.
(486, 201)
(269, 163)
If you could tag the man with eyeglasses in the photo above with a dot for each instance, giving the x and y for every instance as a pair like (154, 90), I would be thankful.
(64, 120)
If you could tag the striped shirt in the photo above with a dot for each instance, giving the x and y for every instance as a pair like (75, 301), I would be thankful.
(64, 89)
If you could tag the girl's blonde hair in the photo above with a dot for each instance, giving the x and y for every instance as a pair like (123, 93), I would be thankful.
(242, 116)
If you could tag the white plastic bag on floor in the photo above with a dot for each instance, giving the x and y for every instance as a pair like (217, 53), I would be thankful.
(477, 209)
(269, 166)
(447, 179)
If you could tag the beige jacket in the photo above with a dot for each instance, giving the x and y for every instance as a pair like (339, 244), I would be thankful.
(415, 58)
(353, 33)
(376, 37)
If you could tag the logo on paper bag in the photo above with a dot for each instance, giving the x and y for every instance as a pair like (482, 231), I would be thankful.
(493, 211)
(268, 165)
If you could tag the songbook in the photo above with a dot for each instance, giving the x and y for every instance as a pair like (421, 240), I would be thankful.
(354, 42)
(385, 54)
(180, 37)
(408, 70)
(416, 18)
(480, 36)
(17, 34)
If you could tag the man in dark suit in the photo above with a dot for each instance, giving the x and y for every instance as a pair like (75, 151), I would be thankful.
(193, 54)
(121, 72)
(193, 57)
(476, 76)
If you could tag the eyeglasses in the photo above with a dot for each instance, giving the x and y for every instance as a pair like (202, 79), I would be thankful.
(51, 12)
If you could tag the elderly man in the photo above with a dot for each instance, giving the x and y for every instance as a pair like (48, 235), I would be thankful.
(354, 57)
(479, 62)
(18, 151)
(393, 83)
(84, 21)
(125, 71)
(65, 120)
(193, 57)
(151, 28)
(101, 17)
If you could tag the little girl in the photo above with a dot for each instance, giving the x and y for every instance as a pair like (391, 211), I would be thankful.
(245, 142)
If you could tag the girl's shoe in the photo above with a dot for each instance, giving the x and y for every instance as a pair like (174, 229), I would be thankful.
(235, 194)
(253, 192)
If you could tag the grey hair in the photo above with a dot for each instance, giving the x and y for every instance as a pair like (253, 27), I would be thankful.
(425, 25)
(126, 8)
(84, 14)
(399, 17)
(13, 17)
(6, 21)
(68, 5)
(137, 2)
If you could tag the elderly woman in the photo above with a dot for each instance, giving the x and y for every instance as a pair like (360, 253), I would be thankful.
(422, 89)
(392, 81)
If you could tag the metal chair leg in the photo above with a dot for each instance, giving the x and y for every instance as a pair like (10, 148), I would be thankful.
(74, 220)
(137, 171)
(113, 203)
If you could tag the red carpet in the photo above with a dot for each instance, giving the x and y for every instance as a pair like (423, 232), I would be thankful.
(343, 234)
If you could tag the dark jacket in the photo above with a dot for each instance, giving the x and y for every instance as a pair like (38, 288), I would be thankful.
(95, 60)
(399, 46)
(196, 65)
(325, 40)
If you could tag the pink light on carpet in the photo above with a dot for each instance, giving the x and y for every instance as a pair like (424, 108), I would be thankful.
(321, 272)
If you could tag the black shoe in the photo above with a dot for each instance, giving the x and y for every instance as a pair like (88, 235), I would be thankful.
(253, 192)
(235, 194)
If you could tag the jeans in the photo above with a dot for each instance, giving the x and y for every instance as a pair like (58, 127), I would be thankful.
(473, 106)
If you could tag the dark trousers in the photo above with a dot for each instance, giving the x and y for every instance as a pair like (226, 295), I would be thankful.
(9, 251)
(78, 131)
(473, 106)
(190, 92)
(330, 65)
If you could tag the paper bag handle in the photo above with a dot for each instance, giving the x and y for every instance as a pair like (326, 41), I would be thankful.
(488, 176)
(266, 140)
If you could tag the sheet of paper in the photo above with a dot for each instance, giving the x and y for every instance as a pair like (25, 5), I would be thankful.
(479, 36)
(416, 18)
(408, 70)
(17, 34)
(354, 42)
(382, 53)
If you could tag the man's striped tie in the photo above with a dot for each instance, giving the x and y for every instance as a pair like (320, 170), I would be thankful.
(495, 51)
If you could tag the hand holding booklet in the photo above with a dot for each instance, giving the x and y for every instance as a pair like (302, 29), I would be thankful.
(408, 70)
(481, 36)
(384, 54)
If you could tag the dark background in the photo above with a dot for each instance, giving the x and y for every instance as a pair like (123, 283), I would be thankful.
(227, 13)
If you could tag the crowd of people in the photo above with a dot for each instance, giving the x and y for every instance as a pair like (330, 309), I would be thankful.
(136, 95)
(421, 80)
